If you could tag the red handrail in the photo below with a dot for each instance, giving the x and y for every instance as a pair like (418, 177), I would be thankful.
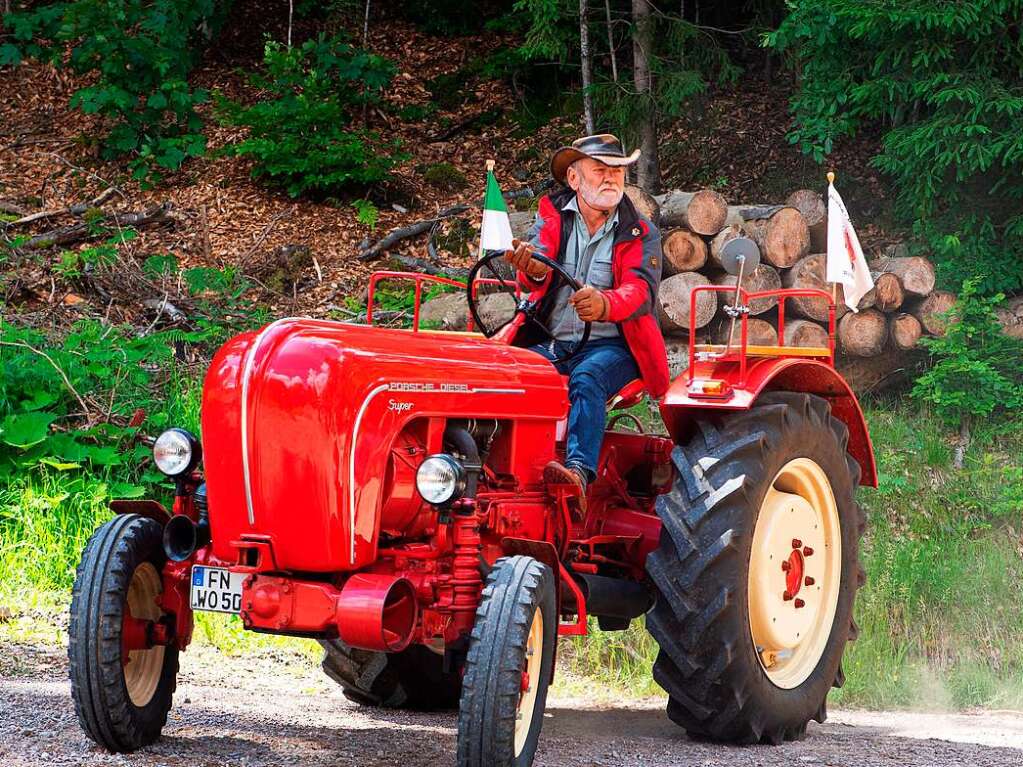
(745, 298)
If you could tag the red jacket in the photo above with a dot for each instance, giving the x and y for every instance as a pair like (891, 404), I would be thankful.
(636, 272)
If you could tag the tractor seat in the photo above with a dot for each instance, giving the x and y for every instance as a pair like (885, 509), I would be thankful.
(630, 394)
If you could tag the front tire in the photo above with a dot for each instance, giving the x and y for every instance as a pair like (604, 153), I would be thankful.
(121, 697)
(752, 626)
(509, 666)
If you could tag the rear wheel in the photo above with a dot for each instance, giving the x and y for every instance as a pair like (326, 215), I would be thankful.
(121, 695)
(413, 678)
(757, 571)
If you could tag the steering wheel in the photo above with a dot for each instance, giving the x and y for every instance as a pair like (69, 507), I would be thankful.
(523, 306)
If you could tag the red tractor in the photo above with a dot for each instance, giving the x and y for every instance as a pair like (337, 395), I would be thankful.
(381, 490)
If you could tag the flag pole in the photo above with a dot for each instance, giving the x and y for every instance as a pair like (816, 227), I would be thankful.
(834, 285)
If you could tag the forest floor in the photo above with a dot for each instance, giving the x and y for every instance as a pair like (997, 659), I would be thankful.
(221, 716)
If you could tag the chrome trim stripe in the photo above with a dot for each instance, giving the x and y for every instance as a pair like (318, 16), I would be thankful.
(250, 356)
(351, 465)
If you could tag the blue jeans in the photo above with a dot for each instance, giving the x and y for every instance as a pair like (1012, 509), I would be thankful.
(595, 374)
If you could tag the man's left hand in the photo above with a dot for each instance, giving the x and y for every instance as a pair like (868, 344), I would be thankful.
(590, 304)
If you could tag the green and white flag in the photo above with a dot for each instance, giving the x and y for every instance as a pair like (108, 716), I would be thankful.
(496, 233)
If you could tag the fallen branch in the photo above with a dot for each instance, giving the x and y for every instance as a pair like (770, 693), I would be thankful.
(66, 235)
(77, 209)
(412, 230)
(422, 265)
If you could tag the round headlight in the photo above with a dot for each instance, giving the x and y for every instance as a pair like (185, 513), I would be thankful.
(440, 479)
(176, 452)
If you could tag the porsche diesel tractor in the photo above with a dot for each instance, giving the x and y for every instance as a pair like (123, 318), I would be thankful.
(381, 490)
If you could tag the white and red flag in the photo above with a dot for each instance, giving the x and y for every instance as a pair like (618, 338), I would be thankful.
(846, 264)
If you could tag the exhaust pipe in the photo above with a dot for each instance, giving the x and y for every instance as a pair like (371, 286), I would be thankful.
(377, 612)
(614, 597)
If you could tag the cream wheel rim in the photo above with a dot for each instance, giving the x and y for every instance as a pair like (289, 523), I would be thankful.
(143, 668)
(530, 681)
(795, 573)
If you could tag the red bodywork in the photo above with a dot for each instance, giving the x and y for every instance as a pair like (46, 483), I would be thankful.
(312, 435)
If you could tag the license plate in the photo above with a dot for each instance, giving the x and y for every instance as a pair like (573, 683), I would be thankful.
(216, 589)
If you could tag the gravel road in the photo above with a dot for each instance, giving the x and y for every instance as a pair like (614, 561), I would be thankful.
(264, 711)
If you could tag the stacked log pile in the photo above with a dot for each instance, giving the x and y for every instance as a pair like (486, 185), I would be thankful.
(873, 344)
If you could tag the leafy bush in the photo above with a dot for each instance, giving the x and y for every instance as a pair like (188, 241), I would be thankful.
(943, 79)
(140, 54)
(978, 370)
(300, 132)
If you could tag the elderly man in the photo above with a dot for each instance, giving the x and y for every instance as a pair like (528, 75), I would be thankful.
(594, 231)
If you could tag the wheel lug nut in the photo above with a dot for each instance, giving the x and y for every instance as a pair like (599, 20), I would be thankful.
(807, 552)
(786, 566)
(799, 603)
(786, 596)
(809, 581)
(796, 543)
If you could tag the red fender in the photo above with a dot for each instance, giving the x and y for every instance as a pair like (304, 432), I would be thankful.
(680, 411)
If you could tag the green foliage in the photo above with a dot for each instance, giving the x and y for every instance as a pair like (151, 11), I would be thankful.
(943, 79)
(366, 213)
(301, 133)
(445, 176)
(978, 370)
(139, 55)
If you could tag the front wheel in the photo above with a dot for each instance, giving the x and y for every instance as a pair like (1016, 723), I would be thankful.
(757, 570)
(121, 695)
(509, 666)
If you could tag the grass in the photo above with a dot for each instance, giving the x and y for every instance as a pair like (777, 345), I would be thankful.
(941, 615)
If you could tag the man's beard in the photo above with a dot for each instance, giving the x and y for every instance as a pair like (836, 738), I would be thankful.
(605, 199)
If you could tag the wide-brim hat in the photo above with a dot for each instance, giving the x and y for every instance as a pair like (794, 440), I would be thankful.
(603, 147)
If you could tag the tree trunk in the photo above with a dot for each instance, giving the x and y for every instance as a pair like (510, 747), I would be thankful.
(683, 252)
(815, 213)
(611, 42)
(915, 272)
(805, 333)
(862, 334)
(764, 277)
(673, 302)
(904, 330)
(648, 172)
(930, 310)
(702, 212)
(645, 204)
(758, 332)
(809, 273)
(584, 55)
(783, 237)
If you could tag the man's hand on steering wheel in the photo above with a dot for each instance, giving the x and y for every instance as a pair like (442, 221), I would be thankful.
(521, 257)
(590, 304)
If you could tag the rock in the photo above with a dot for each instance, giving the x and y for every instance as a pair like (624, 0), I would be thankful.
(450, 311)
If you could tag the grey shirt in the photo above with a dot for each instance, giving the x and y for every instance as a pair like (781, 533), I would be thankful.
(588, 259)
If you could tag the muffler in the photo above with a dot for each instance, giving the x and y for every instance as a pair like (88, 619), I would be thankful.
(614, 597)
(377, 612)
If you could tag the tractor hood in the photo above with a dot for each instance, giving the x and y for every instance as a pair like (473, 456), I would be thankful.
(299, 418)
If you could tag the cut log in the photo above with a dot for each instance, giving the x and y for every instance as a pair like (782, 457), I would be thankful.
(701, 212)
(809, 273)
(783, 237)
(915, 272)
(904, 330)
(862, 334)
(683, 251)
(888, 292)
(929, 311)
(758, 332)
(764, 277)
(805, 333)
(815, 213)
(645, 204)
(721, 239)
(1010, 315)
(890, 368)
(673, 302)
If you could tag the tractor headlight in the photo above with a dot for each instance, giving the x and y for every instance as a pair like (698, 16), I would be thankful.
(440, 479)
(176, 452)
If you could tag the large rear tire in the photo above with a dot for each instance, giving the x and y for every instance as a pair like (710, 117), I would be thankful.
(752, 626)
(413, 678)
(121, 697)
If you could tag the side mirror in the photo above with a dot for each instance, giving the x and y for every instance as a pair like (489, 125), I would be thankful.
(740, 255)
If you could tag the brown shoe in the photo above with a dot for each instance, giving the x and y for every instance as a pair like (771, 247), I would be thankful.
(556, 473)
